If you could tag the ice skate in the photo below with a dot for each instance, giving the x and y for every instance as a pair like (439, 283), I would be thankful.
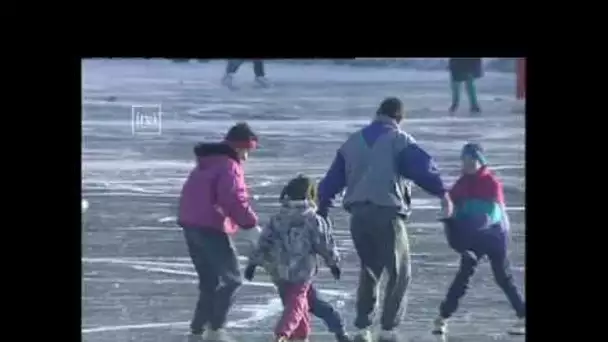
(197, 334)
(262, 81)
(440, 326)
(218, 336)
(343, 337)
(519, 328)
(228, 81)
(387, 336)
(281, 339)
(475, 110)
(195, 337)
(364, 335)
(453, 108)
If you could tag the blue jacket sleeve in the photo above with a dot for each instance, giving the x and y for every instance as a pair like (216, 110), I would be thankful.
(332, 184)
(416, 164)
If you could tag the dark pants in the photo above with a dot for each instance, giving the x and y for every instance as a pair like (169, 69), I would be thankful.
(464, 70)
(380, 238)
(217, 266)
(321, 309)
(496, 249)
(234, 64)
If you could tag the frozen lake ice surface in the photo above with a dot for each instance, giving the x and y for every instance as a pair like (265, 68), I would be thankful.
(138, 281)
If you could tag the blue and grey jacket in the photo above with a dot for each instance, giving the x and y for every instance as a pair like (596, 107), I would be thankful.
(376, 165)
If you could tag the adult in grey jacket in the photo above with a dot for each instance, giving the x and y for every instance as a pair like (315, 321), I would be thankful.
(376, 166)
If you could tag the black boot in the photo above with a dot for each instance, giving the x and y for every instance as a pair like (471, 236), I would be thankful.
(453, 109)
(343, 337)
(475, 110)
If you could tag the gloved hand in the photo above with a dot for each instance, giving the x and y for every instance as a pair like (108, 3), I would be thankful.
(251, 235)
(250, 272)
(447, 207)
(336, 272)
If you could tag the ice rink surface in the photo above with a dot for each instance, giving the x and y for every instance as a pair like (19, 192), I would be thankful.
(138, 281)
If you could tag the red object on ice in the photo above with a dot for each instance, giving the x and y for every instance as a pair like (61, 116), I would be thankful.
(520, 69)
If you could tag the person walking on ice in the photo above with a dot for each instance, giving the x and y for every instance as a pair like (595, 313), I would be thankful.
(376, 165)
(233, 66)
(288, 249)
(213, 204)
(317, 305)
(479, 227)
(465, 70)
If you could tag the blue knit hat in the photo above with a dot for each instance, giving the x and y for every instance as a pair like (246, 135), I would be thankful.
(474, 151)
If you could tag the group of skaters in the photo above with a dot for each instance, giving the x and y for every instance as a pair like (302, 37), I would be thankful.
(463, 71)
(375, 167)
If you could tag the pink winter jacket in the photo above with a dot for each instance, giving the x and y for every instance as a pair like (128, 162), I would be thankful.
(215, 196)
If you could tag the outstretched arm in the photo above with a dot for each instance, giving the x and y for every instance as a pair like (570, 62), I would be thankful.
(417, 165)
(264, 245)
(233, 199)
(332, 184)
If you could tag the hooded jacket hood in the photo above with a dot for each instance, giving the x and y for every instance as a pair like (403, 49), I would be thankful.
(207, 152)
(214, 196)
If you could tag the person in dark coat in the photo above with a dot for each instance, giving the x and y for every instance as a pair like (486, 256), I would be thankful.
(465, 70)
(233, 66)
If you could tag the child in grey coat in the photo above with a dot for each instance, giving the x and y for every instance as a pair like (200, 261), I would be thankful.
(288, 249)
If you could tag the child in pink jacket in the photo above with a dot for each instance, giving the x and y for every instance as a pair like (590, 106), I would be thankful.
(214, 202)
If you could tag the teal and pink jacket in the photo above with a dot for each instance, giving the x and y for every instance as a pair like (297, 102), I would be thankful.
(479, 209)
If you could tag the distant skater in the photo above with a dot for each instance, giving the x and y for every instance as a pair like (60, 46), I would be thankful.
(479, 228)
(233, 66)
(465, 70)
